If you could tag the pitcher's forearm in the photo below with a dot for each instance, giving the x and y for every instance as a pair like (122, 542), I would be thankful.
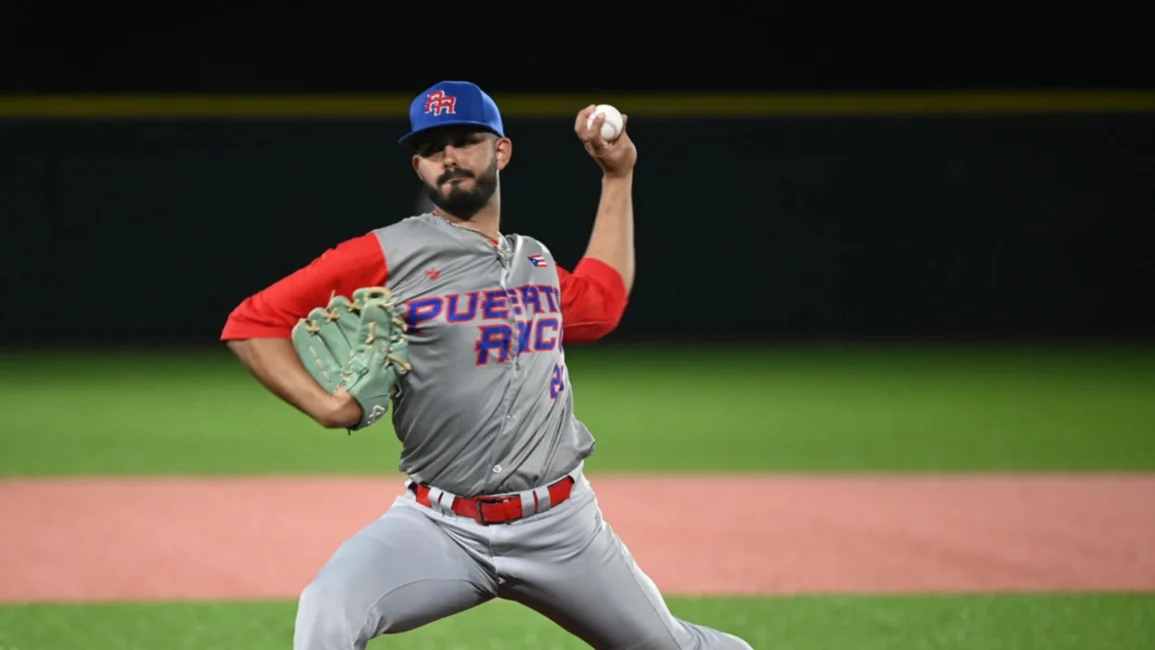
(612, 239)
(274, 363)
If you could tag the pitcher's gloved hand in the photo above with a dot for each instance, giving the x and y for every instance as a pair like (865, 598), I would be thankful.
(358, 345)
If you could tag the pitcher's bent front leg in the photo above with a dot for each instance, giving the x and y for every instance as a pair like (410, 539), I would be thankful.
(569, 565)
(395, 574)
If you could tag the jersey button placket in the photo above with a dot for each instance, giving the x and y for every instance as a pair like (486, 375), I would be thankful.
(511, 364)
(514, 306)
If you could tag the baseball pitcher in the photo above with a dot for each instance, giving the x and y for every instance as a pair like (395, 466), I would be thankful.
(459, 330)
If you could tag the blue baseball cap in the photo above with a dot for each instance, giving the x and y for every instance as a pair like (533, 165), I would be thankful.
(450, 103)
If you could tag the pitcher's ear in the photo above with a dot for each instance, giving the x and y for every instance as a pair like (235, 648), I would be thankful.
(504, 151)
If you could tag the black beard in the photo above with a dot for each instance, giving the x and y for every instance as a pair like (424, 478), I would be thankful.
(460, 202)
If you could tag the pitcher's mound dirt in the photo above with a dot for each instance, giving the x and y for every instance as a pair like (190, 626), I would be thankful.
(88, 540)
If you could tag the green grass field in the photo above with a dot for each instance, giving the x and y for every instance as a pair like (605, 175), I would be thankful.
(708, 410)
(1005, 622)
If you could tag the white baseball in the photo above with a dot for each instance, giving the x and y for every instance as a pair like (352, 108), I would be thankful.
(612, 127)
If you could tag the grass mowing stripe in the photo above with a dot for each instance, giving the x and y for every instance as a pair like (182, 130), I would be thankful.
(980, 622)
(739, 409)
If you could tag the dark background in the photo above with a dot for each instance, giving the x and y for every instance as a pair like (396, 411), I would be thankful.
(998, 227)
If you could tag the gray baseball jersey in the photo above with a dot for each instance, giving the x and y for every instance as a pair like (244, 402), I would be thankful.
(487, 408)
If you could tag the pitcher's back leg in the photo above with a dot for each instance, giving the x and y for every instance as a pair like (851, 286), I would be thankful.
(395, 574)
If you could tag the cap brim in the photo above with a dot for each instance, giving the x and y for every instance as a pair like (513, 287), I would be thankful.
(407, 139)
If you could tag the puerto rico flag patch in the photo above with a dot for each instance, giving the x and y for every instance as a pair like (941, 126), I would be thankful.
(537, 260)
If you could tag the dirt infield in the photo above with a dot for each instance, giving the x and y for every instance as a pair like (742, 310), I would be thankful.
(149, 539)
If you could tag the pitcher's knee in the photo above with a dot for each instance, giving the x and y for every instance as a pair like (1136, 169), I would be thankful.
(326, 618)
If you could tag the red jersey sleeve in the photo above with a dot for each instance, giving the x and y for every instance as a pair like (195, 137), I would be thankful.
(273, 311)
(593, 299)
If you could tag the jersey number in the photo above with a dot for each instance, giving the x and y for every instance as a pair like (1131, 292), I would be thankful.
(557, 384)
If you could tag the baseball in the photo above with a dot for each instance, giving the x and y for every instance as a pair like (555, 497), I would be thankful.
(612, 127)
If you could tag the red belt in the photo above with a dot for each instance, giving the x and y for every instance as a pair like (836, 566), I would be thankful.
(497, 510)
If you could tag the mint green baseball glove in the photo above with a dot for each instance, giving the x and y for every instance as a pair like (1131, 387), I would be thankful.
(358, 345)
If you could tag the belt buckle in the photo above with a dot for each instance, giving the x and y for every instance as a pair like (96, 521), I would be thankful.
(480, 501)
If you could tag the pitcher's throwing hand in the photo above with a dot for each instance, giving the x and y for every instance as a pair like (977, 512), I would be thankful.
(616, 157)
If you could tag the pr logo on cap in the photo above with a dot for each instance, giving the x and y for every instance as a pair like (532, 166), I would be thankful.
(437, 102)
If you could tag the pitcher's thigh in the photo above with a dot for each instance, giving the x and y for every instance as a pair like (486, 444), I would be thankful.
(396, 574)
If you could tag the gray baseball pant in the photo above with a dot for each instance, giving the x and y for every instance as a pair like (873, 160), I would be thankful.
(416, 565)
